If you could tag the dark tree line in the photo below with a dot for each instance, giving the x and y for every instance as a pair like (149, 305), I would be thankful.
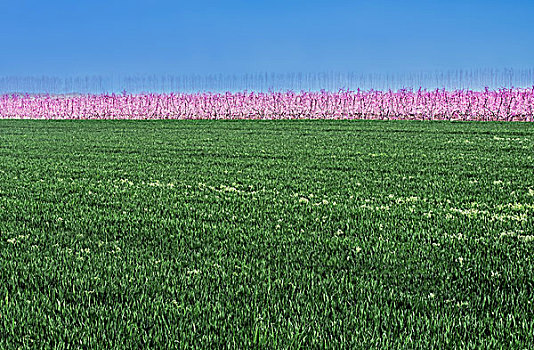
(475, 79)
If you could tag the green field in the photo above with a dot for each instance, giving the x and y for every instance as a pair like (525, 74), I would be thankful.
(266, 234)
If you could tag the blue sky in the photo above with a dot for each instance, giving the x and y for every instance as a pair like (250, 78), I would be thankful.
(68, 37)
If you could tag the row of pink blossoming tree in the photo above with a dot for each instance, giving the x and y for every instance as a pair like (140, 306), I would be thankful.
(505, 104)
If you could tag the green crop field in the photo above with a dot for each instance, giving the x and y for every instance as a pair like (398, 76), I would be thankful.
(266, 234)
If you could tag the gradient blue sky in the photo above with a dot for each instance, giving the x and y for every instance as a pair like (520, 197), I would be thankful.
(77, 37)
